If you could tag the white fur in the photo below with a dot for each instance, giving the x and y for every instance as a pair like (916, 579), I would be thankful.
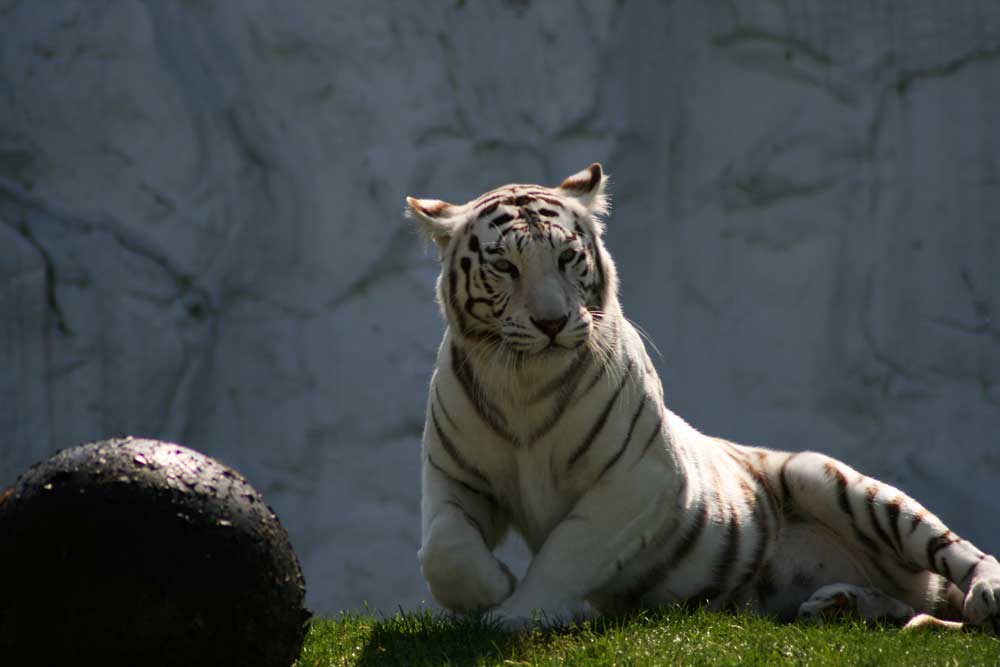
(666, 514)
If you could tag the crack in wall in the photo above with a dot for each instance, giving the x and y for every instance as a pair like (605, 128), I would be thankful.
(752, 35)
(125, 237)
(906, 77)
(386, 265)
(52, 301)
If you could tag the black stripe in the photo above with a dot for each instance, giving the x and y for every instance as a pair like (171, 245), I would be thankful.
(963, 582)
(456, 505)
(936, 544)
(691, 537)
(471, 301)
(487, 199)
(453, 452)
(575, 369)
(649, 443)
(786, 490)
(764, 483)
(546, 198)
(503, 230)
(756, 560)
(723, 564)
(488, 210)
(486, 495)
(845, 505)
(474, 392)
(628, 438)
(727, 559)
(500, 219)
(452, 297)
(686, 546)
(601, 420)
(601, 278)
(444, 410)
(466, 264)
(563, 399)
(892, 510)
(870, 494)
(841, 480)
(945, 569)
(601, 369)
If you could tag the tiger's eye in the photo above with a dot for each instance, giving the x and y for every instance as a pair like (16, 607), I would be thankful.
(505, 266)
(567, 255)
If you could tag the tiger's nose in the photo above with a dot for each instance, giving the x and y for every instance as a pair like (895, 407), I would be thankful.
(551, 328)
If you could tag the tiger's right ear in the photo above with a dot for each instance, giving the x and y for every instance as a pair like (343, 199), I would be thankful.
(438, 219)
(587, 187)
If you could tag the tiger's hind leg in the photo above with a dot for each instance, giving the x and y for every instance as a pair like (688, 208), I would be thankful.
(892, 535)
(836, 600)
(871, 604)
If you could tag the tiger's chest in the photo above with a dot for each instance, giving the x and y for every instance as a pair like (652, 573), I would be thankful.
(532, 495)
(530, 476)
(523, 438)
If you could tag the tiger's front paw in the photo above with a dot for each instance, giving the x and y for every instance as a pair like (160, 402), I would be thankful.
(514, 615)
(982, 603)
(466, 584)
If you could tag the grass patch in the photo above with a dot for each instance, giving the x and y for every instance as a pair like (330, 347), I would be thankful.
(673, 637)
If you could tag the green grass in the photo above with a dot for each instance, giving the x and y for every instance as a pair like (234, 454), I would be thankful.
(674, 637)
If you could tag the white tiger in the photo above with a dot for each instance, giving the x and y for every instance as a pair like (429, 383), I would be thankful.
(546, 415)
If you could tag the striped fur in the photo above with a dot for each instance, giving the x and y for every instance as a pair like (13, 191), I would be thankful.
(546, 416)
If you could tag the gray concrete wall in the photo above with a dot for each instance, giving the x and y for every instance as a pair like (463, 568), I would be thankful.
(201, 239)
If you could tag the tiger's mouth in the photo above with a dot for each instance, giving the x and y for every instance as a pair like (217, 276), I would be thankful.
(552, 348)
(569, 341)
(556, 346)
(550, 354)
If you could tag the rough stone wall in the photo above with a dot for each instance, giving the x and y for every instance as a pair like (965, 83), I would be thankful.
(201, 239)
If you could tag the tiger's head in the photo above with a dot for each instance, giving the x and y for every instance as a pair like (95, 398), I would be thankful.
(524, 270)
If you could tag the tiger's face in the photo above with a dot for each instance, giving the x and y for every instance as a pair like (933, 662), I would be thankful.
(523, 267)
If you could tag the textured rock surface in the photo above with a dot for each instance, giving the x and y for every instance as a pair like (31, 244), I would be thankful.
(201, 240)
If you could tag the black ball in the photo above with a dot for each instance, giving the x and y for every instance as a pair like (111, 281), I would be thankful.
(142, 552)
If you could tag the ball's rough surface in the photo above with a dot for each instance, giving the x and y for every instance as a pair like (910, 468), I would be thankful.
(132, 551)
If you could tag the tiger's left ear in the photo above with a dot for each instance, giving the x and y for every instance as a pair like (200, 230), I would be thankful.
(438, 219)
(587, 187)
